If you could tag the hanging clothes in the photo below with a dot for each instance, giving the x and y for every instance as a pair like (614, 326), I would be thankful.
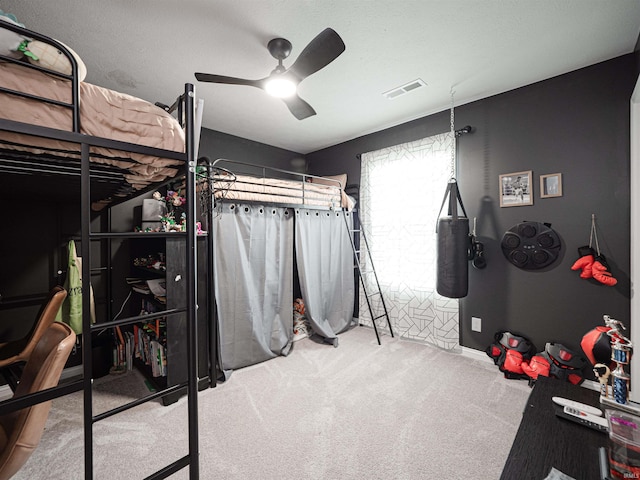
(71, 310)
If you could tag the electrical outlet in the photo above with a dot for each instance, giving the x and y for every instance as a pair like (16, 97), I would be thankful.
(476, 324)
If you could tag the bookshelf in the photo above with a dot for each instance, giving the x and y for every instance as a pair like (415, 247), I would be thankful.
(158, 348)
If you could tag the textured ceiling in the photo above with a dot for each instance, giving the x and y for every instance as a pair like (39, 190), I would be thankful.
(477, 48)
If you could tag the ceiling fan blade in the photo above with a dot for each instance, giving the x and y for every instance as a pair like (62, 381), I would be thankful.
(209, 77)
(320, 52)
(299, 107)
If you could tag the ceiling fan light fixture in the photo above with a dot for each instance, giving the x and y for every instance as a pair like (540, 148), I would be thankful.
(323, 49)
(280, 87)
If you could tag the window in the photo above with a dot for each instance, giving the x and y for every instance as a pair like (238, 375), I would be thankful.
(401, 193)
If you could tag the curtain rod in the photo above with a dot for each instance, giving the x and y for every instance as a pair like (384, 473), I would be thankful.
(463, 130)
(459, 132)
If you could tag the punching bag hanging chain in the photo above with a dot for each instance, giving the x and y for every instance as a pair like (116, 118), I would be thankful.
(453, 140)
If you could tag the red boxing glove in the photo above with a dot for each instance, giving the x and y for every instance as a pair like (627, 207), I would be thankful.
(600, 271)
(538, 365)
(585, 262)
(513, 362)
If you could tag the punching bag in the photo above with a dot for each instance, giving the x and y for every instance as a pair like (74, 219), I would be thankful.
(453, 242)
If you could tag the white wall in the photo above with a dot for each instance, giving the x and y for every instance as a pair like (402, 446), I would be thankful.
(635, 238)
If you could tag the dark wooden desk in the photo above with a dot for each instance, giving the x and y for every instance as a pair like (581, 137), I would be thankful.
(545, 440)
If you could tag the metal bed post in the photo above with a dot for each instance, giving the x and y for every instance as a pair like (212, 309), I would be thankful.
(109, 278)
(213, 313)
(85, 249)
(192, 281)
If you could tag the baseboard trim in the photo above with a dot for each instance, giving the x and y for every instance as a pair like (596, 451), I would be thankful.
(476, 354)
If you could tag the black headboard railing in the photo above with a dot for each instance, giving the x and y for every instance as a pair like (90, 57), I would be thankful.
(74, 106)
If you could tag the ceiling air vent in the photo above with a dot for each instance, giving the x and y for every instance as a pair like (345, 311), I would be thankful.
(397, 92)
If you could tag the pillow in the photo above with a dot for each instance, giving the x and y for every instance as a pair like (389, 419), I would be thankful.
(10, 41)
(53, 59)
(342, 178)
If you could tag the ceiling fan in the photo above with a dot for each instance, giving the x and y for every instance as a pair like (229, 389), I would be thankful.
(282, 82)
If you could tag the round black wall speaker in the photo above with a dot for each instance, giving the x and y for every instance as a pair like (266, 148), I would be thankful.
(531, 245)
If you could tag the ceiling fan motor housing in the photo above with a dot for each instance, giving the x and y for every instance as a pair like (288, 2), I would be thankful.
(279, 48)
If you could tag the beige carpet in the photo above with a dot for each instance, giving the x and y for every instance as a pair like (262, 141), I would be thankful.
(402, 410)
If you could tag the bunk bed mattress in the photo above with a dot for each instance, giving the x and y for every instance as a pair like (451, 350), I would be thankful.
(276, 190)
(103, 113)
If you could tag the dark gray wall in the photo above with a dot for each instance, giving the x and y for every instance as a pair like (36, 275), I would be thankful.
(34, 250)
(575, 124)
(222, 145)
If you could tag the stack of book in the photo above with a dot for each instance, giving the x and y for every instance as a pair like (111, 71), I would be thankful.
(149, 348)
(123, 351)
(146, 343)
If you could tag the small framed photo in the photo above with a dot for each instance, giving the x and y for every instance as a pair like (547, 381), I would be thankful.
(551, 185)
(516, 189)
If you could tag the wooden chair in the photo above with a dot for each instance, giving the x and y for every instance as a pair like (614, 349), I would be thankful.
(20, 350)
(21, 431)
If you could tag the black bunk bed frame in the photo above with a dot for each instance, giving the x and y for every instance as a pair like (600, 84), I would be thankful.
(186, 110)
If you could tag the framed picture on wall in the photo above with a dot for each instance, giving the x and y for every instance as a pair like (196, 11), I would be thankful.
(551, 185)
(516, 189)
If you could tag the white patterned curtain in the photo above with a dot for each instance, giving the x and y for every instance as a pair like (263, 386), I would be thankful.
(401, 190)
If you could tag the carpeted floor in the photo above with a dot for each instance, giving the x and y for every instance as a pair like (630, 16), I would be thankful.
(402, 410)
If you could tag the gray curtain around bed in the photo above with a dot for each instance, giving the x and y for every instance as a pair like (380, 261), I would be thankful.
(253, 283)
(325, 267)
(254, 278)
